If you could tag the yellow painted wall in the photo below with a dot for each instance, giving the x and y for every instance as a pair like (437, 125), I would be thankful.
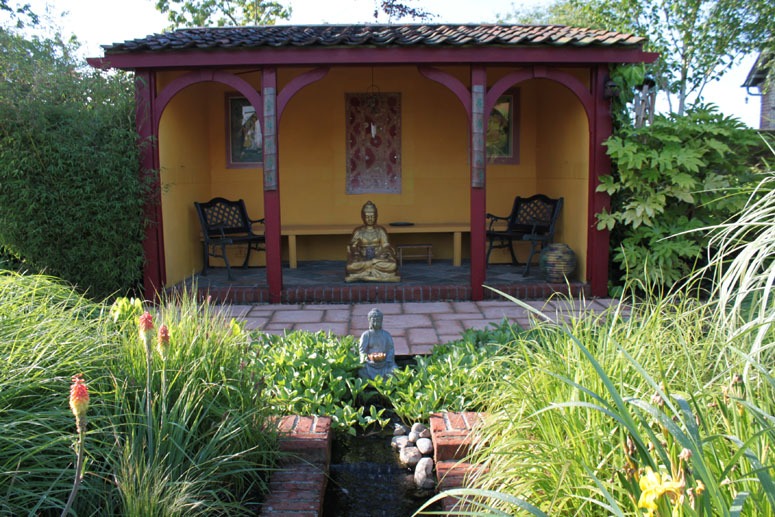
(435, 161)
(554, 157)
(193, 168)
(184, 161)
(434, 156)
(563, 164)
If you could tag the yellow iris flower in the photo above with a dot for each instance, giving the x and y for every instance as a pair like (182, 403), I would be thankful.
(653, 485)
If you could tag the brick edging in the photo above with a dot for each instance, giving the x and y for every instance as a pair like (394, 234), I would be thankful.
(298, 487)
(380, 293)
(452, 441)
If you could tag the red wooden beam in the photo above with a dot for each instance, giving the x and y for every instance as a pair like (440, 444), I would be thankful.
(478, 192)
(201, 76)
(372, 56)
(598, 241)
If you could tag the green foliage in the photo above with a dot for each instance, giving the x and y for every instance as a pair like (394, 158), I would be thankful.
(317, 374)
(671, 179)
(312, 374)
(449, 378)
(588, 410)
(211, 449)
(204, 13)
(20, 14)
(70, 198)
(698, 40)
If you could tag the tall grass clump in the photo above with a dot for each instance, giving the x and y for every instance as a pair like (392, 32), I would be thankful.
(48, 333)
(193, 440)
(744, 270)
(202, 444)
(639, 411)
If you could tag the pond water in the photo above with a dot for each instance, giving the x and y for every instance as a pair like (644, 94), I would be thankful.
(366, 480)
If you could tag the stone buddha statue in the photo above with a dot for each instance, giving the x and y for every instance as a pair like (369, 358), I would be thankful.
(376, 349)
(370, 258)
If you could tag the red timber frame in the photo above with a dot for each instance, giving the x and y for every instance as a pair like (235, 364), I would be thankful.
(477, 100)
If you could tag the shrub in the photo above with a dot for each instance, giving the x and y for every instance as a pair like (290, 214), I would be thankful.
(671, 179)
(70, 197)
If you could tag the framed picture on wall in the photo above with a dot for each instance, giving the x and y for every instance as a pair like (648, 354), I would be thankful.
(244, 139)
(502, 137)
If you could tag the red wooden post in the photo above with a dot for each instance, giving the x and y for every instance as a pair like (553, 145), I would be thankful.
(478, 179)
(154, 275)
(600, 127)
(274, 270)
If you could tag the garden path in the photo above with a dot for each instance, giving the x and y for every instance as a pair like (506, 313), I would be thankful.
(415, 326)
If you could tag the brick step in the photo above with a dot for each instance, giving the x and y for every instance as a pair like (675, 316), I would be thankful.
(452, 441)
(297, 490)
(305, 438)
(451, 434)
(455, 474)
(299, 486)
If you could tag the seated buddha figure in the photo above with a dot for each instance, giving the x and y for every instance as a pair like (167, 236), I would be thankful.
(370, 258)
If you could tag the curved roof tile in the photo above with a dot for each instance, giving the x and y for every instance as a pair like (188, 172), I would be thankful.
(373, 35)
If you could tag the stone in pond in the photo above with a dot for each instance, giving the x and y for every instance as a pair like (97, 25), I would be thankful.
(399, 442)
(409, 456)
(425, 446)
(423, 474)
(400, 429)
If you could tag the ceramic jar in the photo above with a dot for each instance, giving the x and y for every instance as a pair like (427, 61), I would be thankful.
(558, 262)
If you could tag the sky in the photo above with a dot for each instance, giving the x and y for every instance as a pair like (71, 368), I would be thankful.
(102, 22)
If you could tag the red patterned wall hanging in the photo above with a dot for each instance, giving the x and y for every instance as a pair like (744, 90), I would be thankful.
(373, 132)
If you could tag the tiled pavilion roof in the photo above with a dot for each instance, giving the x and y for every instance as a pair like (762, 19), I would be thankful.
(375, 36)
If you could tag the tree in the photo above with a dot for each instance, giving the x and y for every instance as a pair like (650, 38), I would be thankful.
(18, 13)
(698, 40)
(202, 13)
(398, 10)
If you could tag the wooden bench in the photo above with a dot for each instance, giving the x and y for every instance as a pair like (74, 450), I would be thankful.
(292, 231)
(226, 223)
(414, 251)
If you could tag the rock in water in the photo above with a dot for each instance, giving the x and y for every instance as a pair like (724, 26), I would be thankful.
(423, 474)
(410, 456)
(425, 445)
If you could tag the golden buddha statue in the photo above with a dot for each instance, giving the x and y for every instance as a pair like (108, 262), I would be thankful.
(370, 258)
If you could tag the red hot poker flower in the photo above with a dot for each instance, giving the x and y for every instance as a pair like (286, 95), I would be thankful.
(146, 322)
(79, 398)
(163, 341)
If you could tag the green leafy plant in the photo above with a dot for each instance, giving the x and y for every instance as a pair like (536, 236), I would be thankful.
(70, 195)
(449, 378)
(312, 374)
(672, 178)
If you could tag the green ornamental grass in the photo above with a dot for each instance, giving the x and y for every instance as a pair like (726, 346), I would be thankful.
(205, 447)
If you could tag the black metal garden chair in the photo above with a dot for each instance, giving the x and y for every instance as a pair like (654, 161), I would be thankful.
(532, 219)
(226, 223)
